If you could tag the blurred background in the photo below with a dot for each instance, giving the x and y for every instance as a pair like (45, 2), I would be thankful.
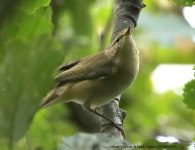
(38, 36)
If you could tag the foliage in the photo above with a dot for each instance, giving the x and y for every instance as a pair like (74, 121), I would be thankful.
(30, 7)
(29, 56)
(189, 94)
(185, 2)
(20, 63)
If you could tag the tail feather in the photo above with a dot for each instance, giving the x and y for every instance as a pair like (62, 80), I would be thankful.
(49, 99)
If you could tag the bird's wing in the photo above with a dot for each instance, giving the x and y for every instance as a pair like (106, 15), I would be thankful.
(71, 64)
(91, 67)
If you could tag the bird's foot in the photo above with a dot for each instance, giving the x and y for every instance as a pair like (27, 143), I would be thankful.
(96, 109)
(119, 126)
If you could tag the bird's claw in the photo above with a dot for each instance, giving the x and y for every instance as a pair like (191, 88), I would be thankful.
(120, 128)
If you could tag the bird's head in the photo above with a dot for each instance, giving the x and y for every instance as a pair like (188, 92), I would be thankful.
(124, 40)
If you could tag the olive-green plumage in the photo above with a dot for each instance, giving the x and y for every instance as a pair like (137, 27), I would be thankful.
(97, 79)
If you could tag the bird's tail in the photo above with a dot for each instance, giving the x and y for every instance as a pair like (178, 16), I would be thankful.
(50, 99)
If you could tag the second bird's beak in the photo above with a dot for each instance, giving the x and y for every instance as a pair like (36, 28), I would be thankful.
(128, 31)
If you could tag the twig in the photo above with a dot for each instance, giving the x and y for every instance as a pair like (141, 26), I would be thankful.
(105, 32)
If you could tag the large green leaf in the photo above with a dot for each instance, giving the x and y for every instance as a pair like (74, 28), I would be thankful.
(25, 78)
(29, 57)
(24, 26)
(31, 6)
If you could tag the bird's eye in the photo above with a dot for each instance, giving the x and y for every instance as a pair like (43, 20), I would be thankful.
(133, 37)
(117, 39)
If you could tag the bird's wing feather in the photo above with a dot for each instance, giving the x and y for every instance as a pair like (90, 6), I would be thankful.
(71, 64)
(93, 66)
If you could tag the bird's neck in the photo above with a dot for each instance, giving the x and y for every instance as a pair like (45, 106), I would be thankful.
(127, 52)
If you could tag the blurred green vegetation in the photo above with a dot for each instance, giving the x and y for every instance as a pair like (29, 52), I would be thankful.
(35, 38)
(189, 94)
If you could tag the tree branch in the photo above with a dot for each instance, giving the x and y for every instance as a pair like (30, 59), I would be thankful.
(126, 13)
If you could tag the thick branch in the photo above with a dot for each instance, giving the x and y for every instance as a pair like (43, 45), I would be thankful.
(126, 13)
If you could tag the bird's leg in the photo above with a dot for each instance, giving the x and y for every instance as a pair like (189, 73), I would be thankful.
(86, 105)
(96, 109)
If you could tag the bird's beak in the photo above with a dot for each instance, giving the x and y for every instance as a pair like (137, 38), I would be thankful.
(128, 31)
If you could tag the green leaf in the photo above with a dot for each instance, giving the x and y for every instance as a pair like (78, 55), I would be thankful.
(31, 6)
(189, 94)
(25, 78)
(24, 26)
(184, 2)
(29, 57)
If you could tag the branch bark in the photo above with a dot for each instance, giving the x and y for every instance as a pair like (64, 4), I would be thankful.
(126, 13)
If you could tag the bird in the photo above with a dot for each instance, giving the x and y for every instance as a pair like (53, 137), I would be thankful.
(97, 79)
